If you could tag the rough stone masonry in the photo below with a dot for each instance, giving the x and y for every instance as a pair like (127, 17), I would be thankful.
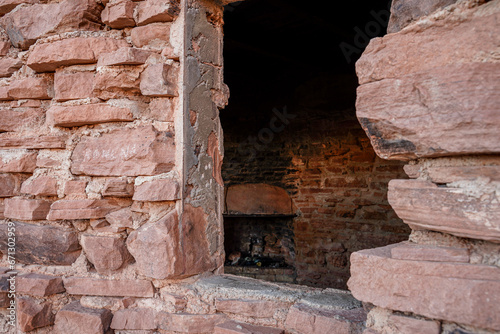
(110, 155)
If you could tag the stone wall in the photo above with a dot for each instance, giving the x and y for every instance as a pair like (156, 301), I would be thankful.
(429, 96)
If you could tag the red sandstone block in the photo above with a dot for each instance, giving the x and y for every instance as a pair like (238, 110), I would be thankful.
(178, 301)
(151, 34)
(33, 142)
(305, 319)
(2, 208)
(49, 56)
(258, 199)
(15, 120)
(407, 325)
(39, 285)
(117, 82)
(31, 315)
(4, 93)
(407, 251)
(134, 319)
(119, 14)
(125, 152)
(124, 56)
(424, 205)
(150, 11)
(162, 109)
(31, 88)
(87, 114)
(469, 173)
(249, 308)
(74, 318)
(8, 5)
(433, 289)
(43, 186)
(159, 80)
(71, 86)
(112, 288)
(190, 323)
(75, 187)
(107, 254)
(9, 185)
(81, 209)
(233, 327)
(404, 13)
(120, 220)
(26, 209)
(118, 188)
(157, 190)
(4, 48)
(8, 66)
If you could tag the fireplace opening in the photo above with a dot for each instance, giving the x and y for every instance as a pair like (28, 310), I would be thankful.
(307, 185)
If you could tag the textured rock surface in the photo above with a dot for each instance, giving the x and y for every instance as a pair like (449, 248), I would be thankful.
(39, 285)
(118, 188)
(87, 114)
(249, 308)
(107, 254)
(407, 325)
(433, 113)
(102, 287)
(82, 209)
(119, 14)
(157, 190)
(151, 34)
(409, 286)
(8, 66)
(407, 251)
(190, 323)
(71, 86)
(150, 11)
(23, 162)
(134, 319)
(26, 209)
(258, 199)
(74, 318)
(423, 205)
(13, 120)
(124, 56)
(31, 315)
(26, 25)
(41, 186)
(49, 56)
(31, 88)
(233, 327)
(130, 152)
(53, 245)
(159, 80)
(33, 142)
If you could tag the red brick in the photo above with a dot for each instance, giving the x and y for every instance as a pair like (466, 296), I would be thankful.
(119, 14)
(74, 318)
(150, 11)
(31, 315)
(159, 80)
(233, 327)
(39, 285)
(258, 199)
(113, 288)
(107, 254)
(134, 319)
(124, 56)
(125, 152)
(43, 186)
(87, 114)
(26, 209)
(82, 209)
(31, 88)
(72, 86)
(432, 289)
(157, 190)
(49, 56)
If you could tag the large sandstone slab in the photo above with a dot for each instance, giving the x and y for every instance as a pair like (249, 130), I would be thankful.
(47, 245)
(82, 209)
(305, 319)
(423, 205)
(39, 285)
(87, 114)
(450, 110)
(31, 88)
(463, 39)
(74, 318)
(26, 25)
(49, 56)
(113, 288)
(258, 198)
(456, 292)
(125, 152)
